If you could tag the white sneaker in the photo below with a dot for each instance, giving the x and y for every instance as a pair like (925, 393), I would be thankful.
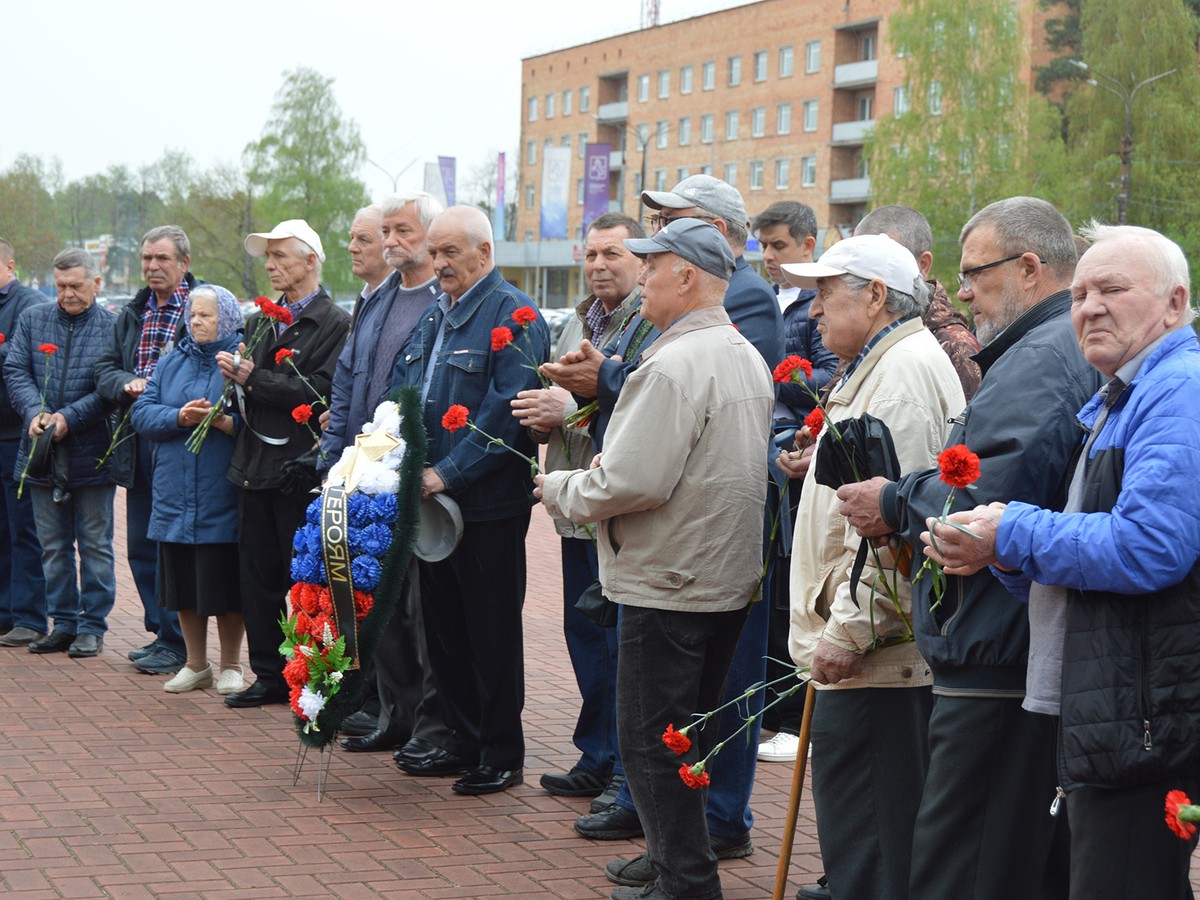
(187, 680)
(231, 681)
(781, 748)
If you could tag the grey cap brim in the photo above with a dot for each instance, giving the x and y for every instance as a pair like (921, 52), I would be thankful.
(666, 199)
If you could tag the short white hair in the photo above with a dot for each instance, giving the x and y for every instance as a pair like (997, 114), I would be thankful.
(1166, 258)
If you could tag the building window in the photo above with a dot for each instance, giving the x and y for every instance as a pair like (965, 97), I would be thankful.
(566, 141)
(549, 142)
(681, 173)
(685, 131)
(900, 100)
(783, 118)
(708, 75)
(583, 140)
(781, 174)
(812, 56)
(585, 98)
(638, 187)
(567, 102)
(760, 65)
(866, 46)
(706, 129)
(865, 104)
(643, 135)
(660, 179)
(810, 115)
(731, 125)
(661, 134)
(935, 98)
(731, 174)
(643, 88)
(808, 171)
(786, 55)
(758, 121)
(531, 153)
(664, 84)
(530, 196)
(549, 106)
(685, 80)
(706, 170)
(533, 109)
(735, 71)
(579, 192)
(756, 175)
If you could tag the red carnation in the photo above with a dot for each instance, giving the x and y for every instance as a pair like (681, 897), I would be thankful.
(692, 778)
(318, 627)
(676, 740)
(294, 701)
(501, 338)
(295, 673)
(259, 301)
(1184, 830)
(524, 315)
(274, 310)
(325, 601)
(1, 337)
(785, 371)
(815, 422)
(455, 417)
(283, 353)
(304, 598)
(48, 349)
(959, 466)
(302, 413)
(363, 604)
(304, 624)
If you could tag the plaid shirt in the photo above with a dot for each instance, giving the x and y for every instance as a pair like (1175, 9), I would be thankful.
(296, 308)
(597, 321)
(158, 329)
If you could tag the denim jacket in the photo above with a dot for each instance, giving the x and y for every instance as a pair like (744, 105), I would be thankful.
(486, 480)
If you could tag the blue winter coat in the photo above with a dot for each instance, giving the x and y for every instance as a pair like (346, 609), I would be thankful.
(194, 503)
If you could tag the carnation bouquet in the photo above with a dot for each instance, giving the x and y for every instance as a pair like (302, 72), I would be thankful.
(350, 559)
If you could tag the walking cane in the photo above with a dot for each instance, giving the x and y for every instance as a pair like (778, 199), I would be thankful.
(789, 829)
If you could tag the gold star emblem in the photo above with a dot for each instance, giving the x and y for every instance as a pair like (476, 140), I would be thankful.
(368, 448)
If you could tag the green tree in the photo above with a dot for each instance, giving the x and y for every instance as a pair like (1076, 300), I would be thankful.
(974, 132)
(28, 218)
(304, 167)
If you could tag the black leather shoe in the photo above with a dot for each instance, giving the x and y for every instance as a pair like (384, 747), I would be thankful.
(439, 763)
(486, 780)
(258, 694)
(616, 823)
(576, 783)
(609, 797)
(56, 641)
(85, 645)
(359, 724)
(415, 750)
(375, 742)
(731, 848)
(818, 891)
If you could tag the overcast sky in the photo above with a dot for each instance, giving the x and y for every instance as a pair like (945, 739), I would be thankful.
(120, 82)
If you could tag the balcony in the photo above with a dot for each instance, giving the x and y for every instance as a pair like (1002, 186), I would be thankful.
(616, 160)
(613, 112)
(856, 74)
(847, 134)
(850, 190)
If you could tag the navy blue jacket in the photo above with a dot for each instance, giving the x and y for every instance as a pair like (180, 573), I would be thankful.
(18, 299)
(194, 503)
(487, 481)
(801, 338)
(71, 389)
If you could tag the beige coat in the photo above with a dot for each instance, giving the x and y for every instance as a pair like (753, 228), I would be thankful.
(681, 487)
(908, 382)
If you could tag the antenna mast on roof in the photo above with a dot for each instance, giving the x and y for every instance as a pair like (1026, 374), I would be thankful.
(649, 13)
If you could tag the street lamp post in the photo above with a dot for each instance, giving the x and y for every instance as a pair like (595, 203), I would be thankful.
(395, 178)
(1125, 93)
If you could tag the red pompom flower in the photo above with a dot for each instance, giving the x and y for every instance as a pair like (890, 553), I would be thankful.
(676, 740)
(283, 353)
(302, 413)
(815, 422)
(455, 417)
(694, 776)
(501, 338)
(1, 337)
(524, 315)
(48, 349)
(1176, 800)
(958, 466)
(785, 371)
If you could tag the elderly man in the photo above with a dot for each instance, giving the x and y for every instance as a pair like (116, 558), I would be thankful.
(408, 708)
(874, 698)
(265, 466)
(472, 600)
(692, 422)
(1114, 607)
(612, 272)
(1018, 257)
(151, 322)
(48, 373)
(366, 252)
(22, 584)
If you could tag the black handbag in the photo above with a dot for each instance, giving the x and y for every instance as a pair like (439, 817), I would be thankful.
(598, 608)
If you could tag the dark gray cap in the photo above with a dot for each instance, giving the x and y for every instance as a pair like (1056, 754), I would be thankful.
(695, 240)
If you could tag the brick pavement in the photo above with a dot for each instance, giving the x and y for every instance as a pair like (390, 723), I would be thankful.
(110, 787)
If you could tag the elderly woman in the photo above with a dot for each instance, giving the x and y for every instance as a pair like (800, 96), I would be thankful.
(195, 507)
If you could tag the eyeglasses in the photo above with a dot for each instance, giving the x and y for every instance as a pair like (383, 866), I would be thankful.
(964, 277)
(658, 222)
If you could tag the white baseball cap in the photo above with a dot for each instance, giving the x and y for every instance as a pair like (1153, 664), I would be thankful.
(868, 256)
(256, 244)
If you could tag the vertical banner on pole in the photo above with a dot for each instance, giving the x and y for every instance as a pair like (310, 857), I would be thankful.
(556, 167)
(498, 216)
(595, 183)
(449, 169)
(433, 183)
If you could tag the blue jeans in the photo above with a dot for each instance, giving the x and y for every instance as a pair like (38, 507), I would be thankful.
(22, 584)
(86, 520)
(593, 652)
(143, 554)
(672, 664)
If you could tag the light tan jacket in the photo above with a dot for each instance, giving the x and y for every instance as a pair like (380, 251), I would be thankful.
(680, 488)
(908, 382)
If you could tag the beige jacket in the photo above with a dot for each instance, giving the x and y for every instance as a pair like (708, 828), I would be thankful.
(908, 382)
(679, 490)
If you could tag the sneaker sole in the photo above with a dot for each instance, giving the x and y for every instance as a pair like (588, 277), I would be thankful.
(622, 835)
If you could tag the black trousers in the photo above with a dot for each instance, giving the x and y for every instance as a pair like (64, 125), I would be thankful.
(267, 522)
(471, 602)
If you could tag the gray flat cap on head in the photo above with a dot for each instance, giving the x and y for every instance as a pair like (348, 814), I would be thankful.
(695, 240)
(710, 194)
